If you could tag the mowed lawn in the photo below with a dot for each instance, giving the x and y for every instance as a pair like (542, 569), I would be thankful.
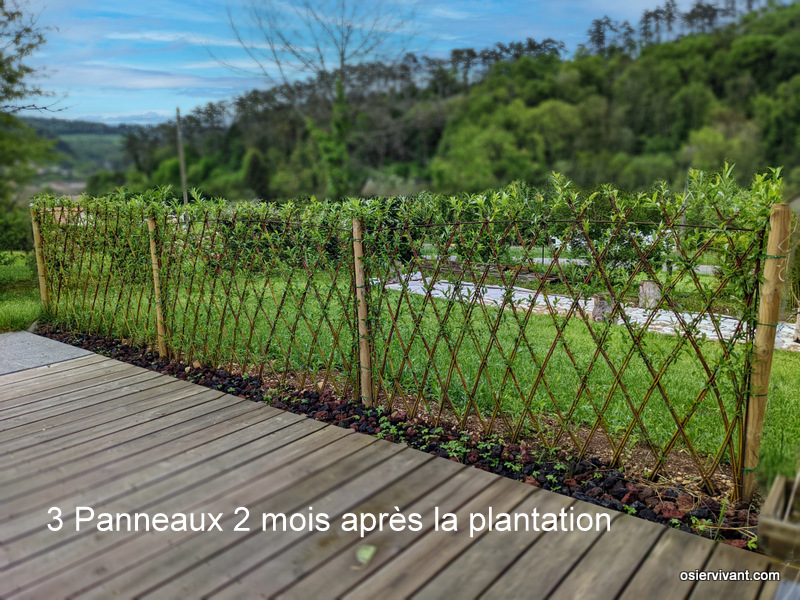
(20, 303)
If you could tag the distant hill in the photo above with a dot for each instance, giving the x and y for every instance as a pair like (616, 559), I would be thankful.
(53, 128)
(84, 147)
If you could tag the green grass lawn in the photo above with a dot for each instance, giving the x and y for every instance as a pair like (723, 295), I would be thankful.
(780, 444)
(20, 303)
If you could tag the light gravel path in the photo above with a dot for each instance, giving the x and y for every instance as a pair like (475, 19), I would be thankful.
(663, 321)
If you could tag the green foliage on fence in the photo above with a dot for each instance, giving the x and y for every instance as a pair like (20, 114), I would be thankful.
(480, 306)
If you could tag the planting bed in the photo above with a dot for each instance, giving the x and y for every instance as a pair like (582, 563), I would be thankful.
(590, 480)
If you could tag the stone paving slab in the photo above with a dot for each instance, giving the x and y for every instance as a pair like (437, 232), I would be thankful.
(21, 350)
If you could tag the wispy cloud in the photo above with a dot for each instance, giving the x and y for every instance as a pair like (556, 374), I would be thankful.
(149, 36)
(106, 77)
(448, 12)
(240, 64)
(171, 37)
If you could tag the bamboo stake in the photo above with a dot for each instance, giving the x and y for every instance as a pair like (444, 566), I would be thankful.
(162, 346)
(37, 245)
(364, 359)
(768, 313)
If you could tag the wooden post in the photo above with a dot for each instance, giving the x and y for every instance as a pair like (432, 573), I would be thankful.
(162, 345)
(37, 246)
(364, 357)
(768, 313)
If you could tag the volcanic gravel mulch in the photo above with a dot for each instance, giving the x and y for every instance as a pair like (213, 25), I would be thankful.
(589, 480)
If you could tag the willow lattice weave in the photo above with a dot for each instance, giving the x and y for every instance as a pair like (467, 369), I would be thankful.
(480, 308)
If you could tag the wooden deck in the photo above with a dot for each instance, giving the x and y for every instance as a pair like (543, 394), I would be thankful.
(94, 432)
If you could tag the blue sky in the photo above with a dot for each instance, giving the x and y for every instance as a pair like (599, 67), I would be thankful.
(136, 61)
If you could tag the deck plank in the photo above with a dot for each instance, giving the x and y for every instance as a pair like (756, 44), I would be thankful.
(328, 468)
(676, 551)
(18, 394)
(149, 416)
(47, 370)
(35, 434)
(788, 588)
(12, 390)
(132, 458)
(538, 572)
(207, 480)
(268, 571)
(108, 484)
(187, 488)
(94, 432)
(410, 569)
(142, 575)
(477, 568)
(246, 556)
(725, 559)
(106, 388)
(342, 572)
(630, 543)
(129, 445)
(84, 411)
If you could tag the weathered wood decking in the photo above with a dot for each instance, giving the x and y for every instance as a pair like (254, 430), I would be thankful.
(93, 432)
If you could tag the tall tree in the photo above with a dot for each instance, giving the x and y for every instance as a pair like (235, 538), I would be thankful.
(646, 27)
(670, 14)
(20, 36)
(599, 34)
(323, 39)
(298, 38)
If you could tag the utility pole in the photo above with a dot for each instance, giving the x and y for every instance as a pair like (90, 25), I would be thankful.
(181, 159)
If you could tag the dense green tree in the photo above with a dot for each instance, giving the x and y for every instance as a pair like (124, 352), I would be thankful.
(779, 116)
(256, 174)
(104, 182)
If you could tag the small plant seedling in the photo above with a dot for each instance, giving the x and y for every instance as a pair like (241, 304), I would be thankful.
(629, 509)
(456, 448)
(554, 485)
(700, 525)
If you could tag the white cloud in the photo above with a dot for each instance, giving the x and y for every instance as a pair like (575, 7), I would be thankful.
(245, 64)
(171, 37)
(104, 77)
(447, 12)
(149, 36)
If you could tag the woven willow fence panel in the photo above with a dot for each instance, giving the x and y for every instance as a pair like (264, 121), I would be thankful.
(504, 314)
